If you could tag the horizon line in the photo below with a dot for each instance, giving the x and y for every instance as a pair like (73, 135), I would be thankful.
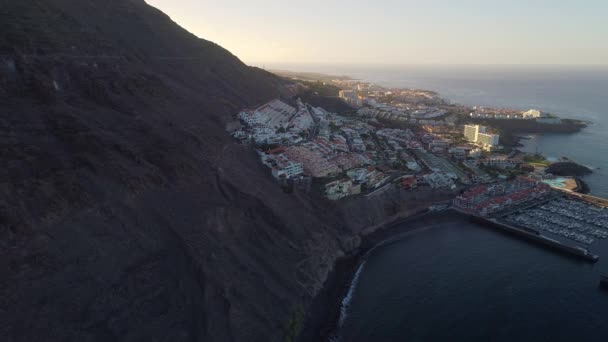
(257, 63)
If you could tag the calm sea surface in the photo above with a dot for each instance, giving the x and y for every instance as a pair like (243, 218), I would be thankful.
(461, 282)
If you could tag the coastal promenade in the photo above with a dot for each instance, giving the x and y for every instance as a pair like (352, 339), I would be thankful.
(601, 202)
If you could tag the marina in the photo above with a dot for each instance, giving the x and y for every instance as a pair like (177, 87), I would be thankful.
(568, 217)
(516, 278)
(527, 207)
(536, 237)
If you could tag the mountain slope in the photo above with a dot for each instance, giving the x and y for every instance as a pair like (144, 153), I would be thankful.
(126, 211)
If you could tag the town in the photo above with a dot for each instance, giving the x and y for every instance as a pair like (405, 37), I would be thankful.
(412, 142)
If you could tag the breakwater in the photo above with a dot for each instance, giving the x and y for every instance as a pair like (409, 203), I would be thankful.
(536, 237)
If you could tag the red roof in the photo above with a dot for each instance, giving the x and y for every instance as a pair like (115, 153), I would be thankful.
(408, 181)
(280, 149)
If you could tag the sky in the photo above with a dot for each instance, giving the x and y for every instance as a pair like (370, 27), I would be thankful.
(400, 32)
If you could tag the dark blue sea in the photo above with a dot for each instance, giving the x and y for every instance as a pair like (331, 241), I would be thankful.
(461, 282)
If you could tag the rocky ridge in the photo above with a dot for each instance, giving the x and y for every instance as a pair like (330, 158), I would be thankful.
(126, 211)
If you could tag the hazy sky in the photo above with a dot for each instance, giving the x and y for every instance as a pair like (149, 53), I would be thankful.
(401, 32)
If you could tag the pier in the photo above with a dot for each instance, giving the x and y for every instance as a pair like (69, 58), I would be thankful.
(536, 237)
(600, 202)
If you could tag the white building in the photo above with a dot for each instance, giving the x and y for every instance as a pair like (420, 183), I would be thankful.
(288, 169)
(488, 140)
(362, 86)
(249, 118)
(475, 153)
(302, 120)
(533, 114)
(477, 134)
(471, 132)
(281, 166)
(350, 96)
(340, 189)
(502, 162)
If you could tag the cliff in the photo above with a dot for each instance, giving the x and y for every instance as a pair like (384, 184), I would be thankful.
(126, 210)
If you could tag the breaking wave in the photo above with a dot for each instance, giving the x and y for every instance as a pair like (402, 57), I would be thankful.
(349, 296)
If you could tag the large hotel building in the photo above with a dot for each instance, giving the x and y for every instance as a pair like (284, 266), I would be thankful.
(477, 134)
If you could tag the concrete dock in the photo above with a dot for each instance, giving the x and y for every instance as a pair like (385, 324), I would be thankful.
(536, 237)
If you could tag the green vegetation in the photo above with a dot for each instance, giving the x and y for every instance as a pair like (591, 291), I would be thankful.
(333, 127)
(536, 160)
(508, 140)
(294, 325)
(494, 171)
(321, 88)
(386, 123)
(490, 170)
(526, 168)
(458, 139)
(387, 98)
(326, 97)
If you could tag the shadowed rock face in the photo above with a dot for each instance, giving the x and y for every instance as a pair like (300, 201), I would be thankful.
(126, 211)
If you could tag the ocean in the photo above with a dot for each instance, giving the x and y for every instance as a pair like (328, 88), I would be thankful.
(462, 282)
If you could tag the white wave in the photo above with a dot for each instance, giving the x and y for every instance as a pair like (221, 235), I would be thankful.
(349, 296)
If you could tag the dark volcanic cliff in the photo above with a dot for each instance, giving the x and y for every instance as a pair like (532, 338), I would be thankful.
(126, 211)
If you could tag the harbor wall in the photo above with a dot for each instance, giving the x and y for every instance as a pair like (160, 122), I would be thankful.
(534, 236)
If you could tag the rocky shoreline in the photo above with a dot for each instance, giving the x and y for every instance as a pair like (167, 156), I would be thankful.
(321, 322)
(529, 127)
(582, 187)
(568, 168)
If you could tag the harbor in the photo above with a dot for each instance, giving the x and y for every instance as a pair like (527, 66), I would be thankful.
(565, 221)
(536, 237)
(524, 277)
(566, 217)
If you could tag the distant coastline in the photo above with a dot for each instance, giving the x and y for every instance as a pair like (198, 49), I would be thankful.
(310, 76)
(567, 125)
(524, 126)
